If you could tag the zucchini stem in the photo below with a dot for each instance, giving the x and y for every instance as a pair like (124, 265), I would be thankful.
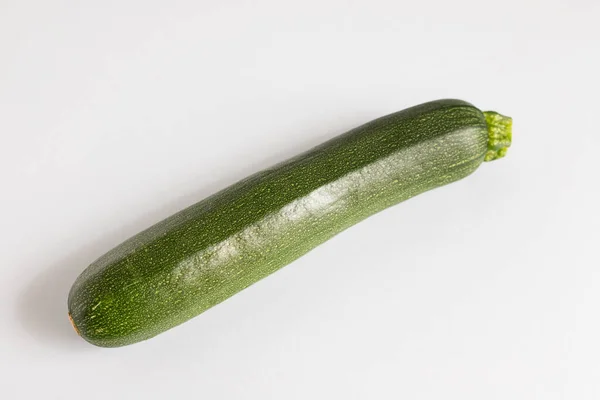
(499, 135)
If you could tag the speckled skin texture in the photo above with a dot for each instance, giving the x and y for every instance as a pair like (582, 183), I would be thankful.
(208, 252)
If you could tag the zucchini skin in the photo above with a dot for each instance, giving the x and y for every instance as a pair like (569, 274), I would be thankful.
(206, 253)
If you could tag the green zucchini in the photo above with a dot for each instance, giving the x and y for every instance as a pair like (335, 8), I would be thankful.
(208, 252)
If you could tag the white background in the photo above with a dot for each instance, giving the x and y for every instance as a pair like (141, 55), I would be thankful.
(116, 114)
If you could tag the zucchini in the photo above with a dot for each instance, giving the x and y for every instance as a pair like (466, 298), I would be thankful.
(208, 252)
